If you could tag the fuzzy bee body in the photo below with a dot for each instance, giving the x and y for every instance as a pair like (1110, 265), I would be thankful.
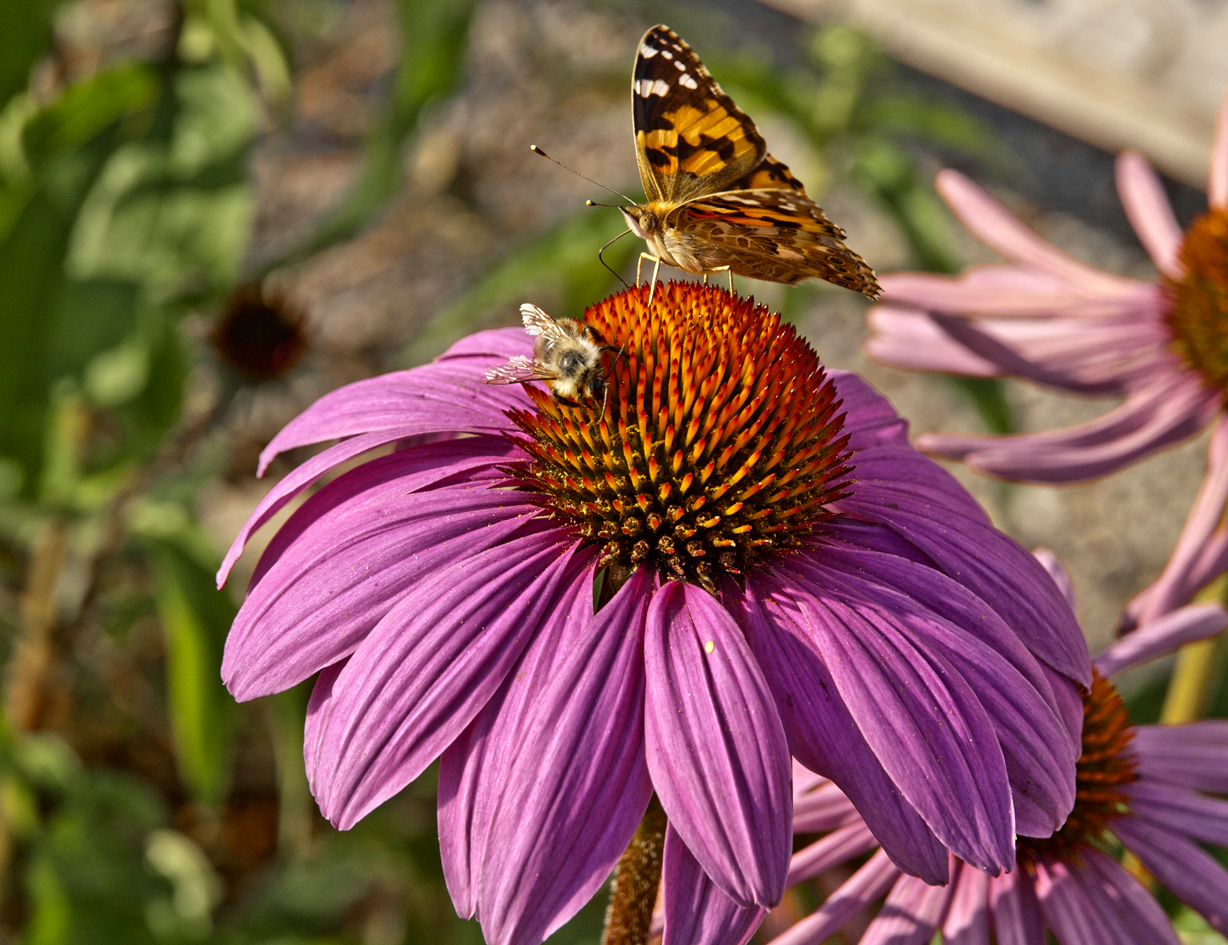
(567, 357)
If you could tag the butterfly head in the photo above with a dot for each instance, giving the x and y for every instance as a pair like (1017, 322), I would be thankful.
(642, 220)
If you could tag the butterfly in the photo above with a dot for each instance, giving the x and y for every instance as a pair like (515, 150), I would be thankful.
(716, 199)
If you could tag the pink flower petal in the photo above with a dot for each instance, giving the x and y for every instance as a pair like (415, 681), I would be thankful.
(696, 911)
(1016, 913)
(967, 921)
(426, 463)
(840, 846)
(1161, 637)
(1002, 231)
(913, 340)
(367, 540)
(1217, 178)
(866, 885)
(919, 716)
(911, 914)
(938, 615)
(823, 734)
(823, 809)
(1061, 577)
(716, 747)
(870, 420)
(1186, 870)
(493, 345)
(1180, 810)
(1171, 410)
(1098, 902)
(1150, 213)
(542, 795)
(429, 667)
(441, 397)
(1193, 755)
(1174, 584)
(1010, 291)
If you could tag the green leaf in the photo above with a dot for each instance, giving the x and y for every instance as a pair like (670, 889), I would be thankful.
(195, 618)
(25, 38)
(67, 147)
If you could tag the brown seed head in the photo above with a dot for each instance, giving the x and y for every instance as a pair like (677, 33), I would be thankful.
(721, 440)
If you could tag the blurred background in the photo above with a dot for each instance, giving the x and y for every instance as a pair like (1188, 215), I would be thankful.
(214, 211)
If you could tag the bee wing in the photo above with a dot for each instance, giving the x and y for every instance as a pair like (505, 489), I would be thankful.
(520, 370)
(537, 322)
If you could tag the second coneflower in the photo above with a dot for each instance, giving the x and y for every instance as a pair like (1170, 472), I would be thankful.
(778, 573)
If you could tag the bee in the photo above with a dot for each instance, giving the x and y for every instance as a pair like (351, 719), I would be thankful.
(567, 356)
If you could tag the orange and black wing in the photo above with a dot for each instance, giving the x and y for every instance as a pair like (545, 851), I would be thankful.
(777, 235)
(690, 138)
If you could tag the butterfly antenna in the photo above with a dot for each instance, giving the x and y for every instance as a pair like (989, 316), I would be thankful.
(536, 150)
(601, 259)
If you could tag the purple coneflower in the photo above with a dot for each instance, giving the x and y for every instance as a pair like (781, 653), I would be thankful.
(1139, 787)
(777, 573)
(1048, 318)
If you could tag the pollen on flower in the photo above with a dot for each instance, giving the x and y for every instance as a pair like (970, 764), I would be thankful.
(1104, 768)
(1198, 315)
(721, 439)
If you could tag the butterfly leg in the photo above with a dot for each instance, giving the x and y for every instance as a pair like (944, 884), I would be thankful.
(721, 269)
(656, 267)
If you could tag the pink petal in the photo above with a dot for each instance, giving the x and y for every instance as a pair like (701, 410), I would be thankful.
(866, 885)
(1180, 811)
(1098, 902)
(1171, 410)
(911, 914)
(1193, 755)
(913, 340)
(1061, 577)
(919, 716)
(1011, 291)
(430, 666)
(696, 911)
(1170, 590)
(493, 345)
(938, 615)
(1184, 868)
(1150, 213)
(870, 420)
(344, 560)
(716, 747)
(542, 795)
(427, 463)
(967, 921)
(823, 735)
(823, 809)
(441, 397)
(1161, 637)
(1016, 913)
(839, 846)
(1002, 231)
(1217, 178)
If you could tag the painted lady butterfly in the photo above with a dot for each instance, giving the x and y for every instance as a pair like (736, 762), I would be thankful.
(716, 199)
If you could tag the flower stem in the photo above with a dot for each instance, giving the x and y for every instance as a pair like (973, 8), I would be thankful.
(31, 660)
(636, 881)
(1187, 689)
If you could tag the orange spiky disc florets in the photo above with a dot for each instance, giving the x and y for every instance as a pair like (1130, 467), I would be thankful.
(720, 440)
(1198, 315)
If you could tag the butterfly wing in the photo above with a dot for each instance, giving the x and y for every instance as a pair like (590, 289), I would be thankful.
(777, 235)
(770, 174)
(690, 138)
